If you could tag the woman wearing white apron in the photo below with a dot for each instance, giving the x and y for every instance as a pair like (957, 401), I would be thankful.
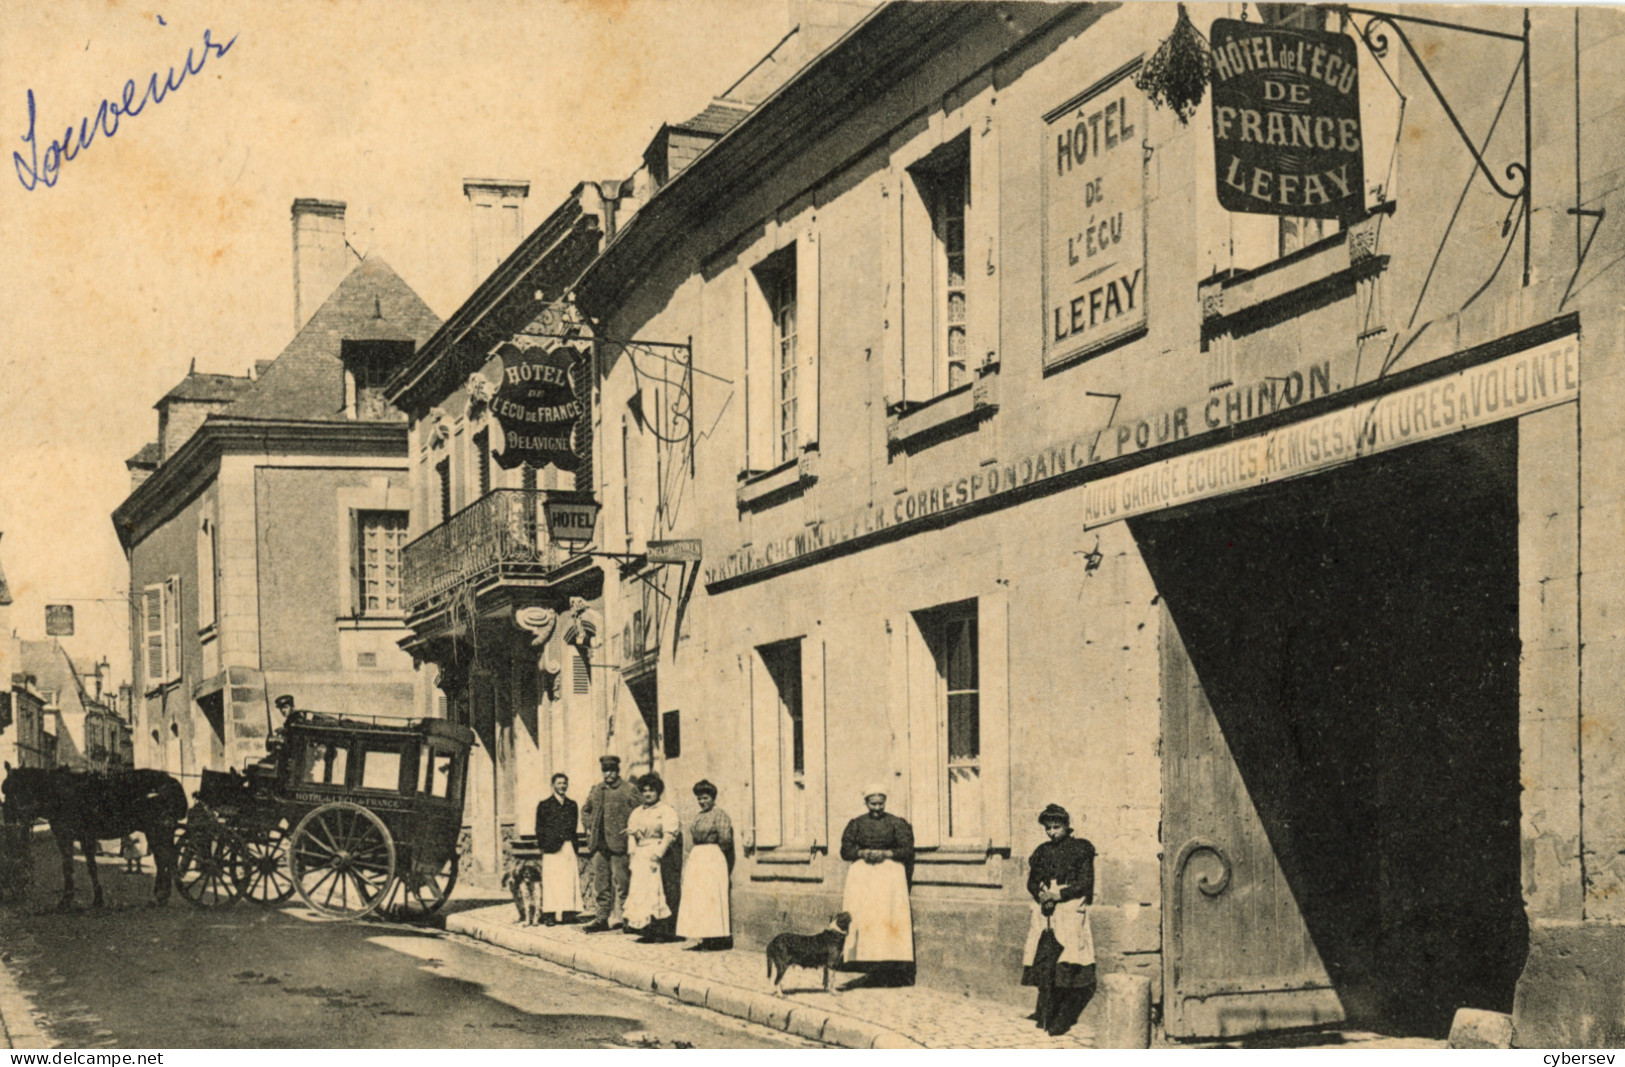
(703, 912)
(1059, 957)
(880, 848)
(650, 832)
(557, 837)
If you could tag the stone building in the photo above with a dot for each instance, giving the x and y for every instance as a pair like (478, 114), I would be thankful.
(264, 526)
(1278, 549)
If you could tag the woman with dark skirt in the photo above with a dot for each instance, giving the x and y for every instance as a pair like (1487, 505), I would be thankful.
(1059, 957)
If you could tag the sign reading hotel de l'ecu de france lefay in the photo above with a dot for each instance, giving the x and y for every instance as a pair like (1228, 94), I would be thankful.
(1286, 121)
(541, 405)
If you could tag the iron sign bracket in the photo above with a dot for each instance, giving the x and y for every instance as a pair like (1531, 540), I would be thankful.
(1376, 41)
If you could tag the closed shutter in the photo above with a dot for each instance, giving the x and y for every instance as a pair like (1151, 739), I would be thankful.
(807, 336)
(764, 729)
(152, 633)
(172, 626)
(925, 740)
(583, 673)
(993, 613)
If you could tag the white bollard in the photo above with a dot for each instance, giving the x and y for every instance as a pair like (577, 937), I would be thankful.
(1127, 1018)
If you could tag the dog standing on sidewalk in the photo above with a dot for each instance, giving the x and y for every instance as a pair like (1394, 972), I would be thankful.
(816, 951)
(523, 879)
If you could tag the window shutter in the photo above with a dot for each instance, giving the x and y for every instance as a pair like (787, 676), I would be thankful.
(172, 629)
(583, 673)
(912, 658)
(812, 717)
(152, 633)
(993, 624)
(807, 336)
(764, 729)
(891, 243)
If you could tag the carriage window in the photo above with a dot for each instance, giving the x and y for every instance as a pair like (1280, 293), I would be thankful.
(323, 764)
(381, 769)
(439, 778)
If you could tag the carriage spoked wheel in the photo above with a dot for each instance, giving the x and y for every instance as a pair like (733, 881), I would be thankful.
(421, 890)
(209, 867)
(266, 879)
(341, 859)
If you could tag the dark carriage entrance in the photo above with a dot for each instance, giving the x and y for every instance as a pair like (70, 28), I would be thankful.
(1340, 745)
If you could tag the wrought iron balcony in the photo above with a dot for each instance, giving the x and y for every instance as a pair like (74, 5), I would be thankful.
(499, 538)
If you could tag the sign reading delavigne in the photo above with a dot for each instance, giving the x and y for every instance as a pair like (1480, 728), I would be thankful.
(541, 405)
(1286, 121)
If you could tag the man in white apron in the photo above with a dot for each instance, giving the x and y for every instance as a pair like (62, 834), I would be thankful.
(880, 848)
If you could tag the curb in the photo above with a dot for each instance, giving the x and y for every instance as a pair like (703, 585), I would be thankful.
(17, 1028)
(778, 1013)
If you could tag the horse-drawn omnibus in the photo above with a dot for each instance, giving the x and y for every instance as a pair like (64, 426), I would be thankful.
(355, 814)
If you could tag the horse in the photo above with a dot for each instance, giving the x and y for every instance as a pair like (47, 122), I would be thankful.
(89, 808)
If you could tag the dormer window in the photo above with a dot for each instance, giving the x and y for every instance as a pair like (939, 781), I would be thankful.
(368, 365)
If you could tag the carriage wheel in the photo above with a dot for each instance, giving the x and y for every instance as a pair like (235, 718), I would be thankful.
(209, 867)
(266, 879)
(342, 860)
(419, 893)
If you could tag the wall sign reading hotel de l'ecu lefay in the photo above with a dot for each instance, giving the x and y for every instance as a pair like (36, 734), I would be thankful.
(1094, 220)
(541, 404)
(1286, 121)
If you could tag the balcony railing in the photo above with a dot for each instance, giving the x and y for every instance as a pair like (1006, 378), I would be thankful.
(501, 535)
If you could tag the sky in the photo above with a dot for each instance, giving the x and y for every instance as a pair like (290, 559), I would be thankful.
(170, 241)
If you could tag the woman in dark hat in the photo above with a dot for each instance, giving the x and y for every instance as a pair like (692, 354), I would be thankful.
(1059, 957)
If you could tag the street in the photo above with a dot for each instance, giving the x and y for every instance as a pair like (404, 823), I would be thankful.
(130, 976)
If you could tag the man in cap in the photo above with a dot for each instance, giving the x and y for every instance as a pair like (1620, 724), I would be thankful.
(880, 848)
(609, 804)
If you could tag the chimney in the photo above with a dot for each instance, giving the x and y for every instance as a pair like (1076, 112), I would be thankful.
(320, 259)
(496, 210)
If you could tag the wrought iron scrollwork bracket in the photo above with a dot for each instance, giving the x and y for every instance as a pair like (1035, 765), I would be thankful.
(1374, 34)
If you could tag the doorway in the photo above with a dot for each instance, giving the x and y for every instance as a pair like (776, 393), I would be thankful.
(1341, 760)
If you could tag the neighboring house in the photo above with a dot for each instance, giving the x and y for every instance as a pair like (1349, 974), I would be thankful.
(1022, 472)
(80, 721)
(264, 526)
(22, 705)
(511, 621)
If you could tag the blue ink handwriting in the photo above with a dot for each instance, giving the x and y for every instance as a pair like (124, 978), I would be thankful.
(34, 171)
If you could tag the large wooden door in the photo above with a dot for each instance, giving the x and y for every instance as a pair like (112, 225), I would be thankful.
(1237, 954)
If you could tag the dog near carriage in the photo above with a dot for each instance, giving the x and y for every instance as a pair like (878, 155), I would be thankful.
(523, 878)
(820, 951)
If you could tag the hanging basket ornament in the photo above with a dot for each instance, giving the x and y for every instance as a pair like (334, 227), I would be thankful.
(1177, 74)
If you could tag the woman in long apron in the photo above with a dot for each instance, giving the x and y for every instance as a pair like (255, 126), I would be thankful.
(880, 848)
(704, 912)
(650, 831)
(1059, 957)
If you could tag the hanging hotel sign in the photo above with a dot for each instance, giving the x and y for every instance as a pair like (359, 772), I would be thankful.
(542, 405)
(1286, 121)
(1094, 220)
(1506, 388)
(59, 620)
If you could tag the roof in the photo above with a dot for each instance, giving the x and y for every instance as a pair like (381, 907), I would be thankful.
(148, 456)
(718, 118)
(306, 381)
(212, 387)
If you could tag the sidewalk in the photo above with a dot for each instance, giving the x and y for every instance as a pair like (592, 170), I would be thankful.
(735, 983)
(17, 1027)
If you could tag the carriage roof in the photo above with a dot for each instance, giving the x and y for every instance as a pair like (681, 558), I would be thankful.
(312, 723)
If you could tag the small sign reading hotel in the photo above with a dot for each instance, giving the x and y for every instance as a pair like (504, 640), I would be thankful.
(1094, 220)
(1286, 121)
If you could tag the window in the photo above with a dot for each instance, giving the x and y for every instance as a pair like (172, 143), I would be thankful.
(952, 636)
(950, 679)
(323, 763)
(442, 473)
(380, 535)
(161, 632)
(781, 356)
(777, 278)
(368, 366)
(440, 773)
(482, 460)
(781, 747)
(936, 312)
(381, 769)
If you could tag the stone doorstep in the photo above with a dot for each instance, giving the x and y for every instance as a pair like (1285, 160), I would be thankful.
(777, 1012)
